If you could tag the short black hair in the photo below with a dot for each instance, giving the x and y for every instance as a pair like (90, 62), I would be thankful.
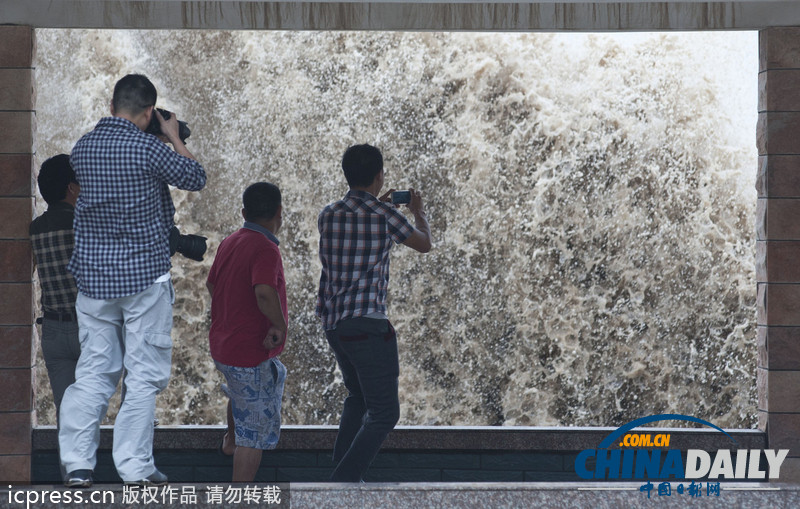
(261, 201)
(361, 164)
(133, 93)
(54, 177)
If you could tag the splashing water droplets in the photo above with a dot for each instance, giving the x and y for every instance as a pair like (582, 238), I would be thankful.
(590, 198)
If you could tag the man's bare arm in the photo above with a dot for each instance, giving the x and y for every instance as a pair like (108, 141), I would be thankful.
(420, 239)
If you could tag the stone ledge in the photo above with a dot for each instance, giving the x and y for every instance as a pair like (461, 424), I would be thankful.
(432, 438)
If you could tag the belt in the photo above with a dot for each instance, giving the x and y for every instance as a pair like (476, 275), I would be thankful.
(60, 317)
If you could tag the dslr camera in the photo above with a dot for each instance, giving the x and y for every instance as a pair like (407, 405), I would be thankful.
(190, 246)
(155, 126)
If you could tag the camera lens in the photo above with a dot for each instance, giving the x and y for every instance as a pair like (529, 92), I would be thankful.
(155, 127)
(190, 246)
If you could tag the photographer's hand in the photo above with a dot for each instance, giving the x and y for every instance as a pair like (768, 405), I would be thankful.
(387, 196)
(171, 130)
(415, 205)
(420, 240)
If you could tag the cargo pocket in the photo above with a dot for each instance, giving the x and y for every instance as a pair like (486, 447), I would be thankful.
(158, 339)
(159, 364)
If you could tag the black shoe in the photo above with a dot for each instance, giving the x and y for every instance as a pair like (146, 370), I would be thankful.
(78, 479)
(154, 479)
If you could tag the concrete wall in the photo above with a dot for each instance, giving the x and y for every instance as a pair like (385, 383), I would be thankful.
(513, 15)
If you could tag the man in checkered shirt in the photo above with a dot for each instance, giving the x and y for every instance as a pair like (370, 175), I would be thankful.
(356, 234)
(52, 240)
(121, 265)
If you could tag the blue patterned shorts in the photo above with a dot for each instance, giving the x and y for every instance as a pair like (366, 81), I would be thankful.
(255, 395)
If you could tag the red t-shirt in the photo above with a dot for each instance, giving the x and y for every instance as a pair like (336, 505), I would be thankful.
(238, 328)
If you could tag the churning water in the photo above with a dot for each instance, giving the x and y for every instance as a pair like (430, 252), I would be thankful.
(591, 197)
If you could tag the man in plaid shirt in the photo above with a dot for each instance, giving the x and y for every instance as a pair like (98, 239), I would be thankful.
(52, 240)
(356, 234)
(121, 265)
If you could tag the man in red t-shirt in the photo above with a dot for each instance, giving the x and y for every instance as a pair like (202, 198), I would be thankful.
(249, 318)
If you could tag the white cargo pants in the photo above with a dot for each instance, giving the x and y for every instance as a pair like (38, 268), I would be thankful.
(131, 332)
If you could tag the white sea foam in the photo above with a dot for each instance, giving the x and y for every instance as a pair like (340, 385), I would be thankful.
(591, 197)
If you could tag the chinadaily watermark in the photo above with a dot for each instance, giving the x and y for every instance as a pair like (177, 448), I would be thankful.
(665, 471)
(168, 496)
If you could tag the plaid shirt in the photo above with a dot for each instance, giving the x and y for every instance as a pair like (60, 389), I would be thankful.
(356, 235)
(124, 210)
(52, 241)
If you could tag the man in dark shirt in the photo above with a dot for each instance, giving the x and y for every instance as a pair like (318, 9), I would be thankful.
(53, 240)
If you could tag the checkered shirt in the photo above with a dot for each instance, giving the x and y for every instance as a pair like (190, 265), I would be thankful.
(52, 241)
(124, 209)
(356, 235)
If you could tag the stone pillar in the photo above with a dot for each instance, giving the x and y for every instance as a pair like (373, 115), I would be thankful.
(778, 243)
(16, 211)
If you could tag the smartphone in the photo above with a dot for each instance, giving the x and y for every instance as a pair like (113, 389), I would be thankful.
(399, 197)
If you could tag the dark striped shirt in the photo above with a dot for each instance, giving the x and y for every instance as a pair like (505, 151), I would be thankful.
(53, 241)
(356, 235)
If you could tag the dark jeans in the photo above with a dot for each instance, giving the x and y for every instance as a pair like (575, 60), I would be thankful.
(61, 350)
(366, 350)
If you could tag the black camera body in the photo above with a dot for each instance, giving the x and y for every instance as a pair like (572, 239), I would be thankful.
(155, 127)
(190, 246)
